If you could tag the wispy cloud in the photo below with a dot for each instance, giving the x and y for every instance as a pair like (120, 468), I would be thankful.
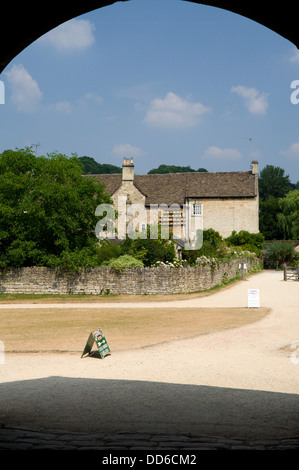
(74, 35)
(90, 97)
(218, 153)
(25, 92)
(128, 150)
(174, 112)
(64, 107)
(255, 101)
(292, 151)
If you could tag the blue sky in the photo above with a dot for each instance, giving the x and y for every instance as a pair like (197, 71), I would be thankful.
(163, 82)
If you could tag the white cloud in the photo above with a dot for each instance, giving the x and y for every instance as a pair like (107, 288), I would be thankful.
(93, 97)
(222, 153)
(70, 36)
(174, 112)
(66, 107)
(292, 151)
(26, 93)
(255, 101)
(128, 150)
(62, 107)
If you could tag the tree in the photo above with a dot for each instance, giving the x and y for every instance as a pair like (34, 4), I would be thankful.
(288, 218)
(162, 169)
(47, 211)
(273, 182)
(268, 221)
(91, 167)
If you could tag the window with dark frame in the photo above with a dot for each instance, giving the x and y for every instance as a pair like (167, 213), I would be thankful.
(197, 209)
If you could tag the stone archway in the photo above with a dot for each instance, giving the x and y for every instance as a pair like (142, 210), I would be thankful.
(27, 21)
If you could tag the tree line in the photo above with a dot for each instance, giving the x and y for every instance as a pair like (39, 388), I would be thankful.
(90, 166)
(47, 216)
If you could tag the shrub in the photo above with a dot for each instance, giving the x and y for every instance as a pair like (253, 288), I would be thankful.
(123, 262)
(215, 248)
(74, 261)
(214, 238)
(212, 241)
(149, 250)
(278, 253)
(252, 242)
(168, 264)
(107, 250)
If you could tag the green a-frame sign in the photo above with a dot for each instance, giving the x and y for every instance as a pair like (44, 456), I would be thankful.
(97, 337)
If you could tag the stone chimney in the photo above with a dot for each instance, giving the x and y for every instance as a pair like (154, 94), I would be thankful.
(254, 167)
(128, 170)
(255, 172)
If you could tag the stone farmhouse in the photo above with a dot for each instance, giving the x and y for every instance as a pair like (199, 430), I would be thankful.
(224, 201)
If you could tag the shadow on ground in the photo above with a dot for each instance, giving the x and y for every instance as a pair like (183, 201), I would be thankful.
(110, 406)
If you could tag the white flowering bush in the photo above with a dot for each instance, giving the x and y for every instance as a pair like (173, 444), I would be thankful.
(205, 261)
(168, 264)
(123, 262)
(238, 251)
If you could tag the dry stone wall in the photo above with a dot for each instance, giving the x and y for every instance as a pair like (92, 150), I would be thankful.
(162, 280)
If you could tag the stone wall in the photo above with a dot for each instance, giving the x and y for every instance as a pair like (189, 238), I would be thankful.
(162, 280)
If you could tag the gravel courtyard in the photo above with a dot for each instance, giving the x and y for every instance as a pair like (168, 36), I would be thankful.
(239, 382)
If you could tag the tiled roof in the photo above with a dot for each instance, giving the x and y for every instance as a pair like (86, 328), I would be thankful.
(173, 188)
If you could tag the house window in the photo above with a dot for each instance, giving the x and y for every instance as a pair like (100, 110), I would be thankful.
(197, 209)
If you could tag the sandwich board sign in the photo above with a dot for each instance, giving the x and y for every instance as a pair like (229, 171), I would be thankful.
(97, 337)
(253, 298)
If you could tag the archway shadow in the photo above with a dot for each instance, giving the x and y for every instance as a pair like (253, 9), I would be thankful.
(110, 406)
(278, 19)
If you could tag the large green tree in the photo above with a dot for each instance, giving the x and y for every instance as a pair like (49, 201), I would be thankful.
(269, 210)
(47, 211)
(273, 182)
(288, 218)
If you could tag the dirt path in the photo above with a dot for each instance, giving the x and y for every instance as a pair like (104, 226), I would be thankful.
(237, 382)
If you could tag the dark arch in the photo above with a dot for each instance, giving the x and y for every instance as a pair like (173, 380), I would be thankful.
(24, 22)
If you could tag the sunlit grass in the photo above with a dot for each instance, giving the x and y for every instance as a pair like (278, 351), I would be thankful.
(67, 329)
